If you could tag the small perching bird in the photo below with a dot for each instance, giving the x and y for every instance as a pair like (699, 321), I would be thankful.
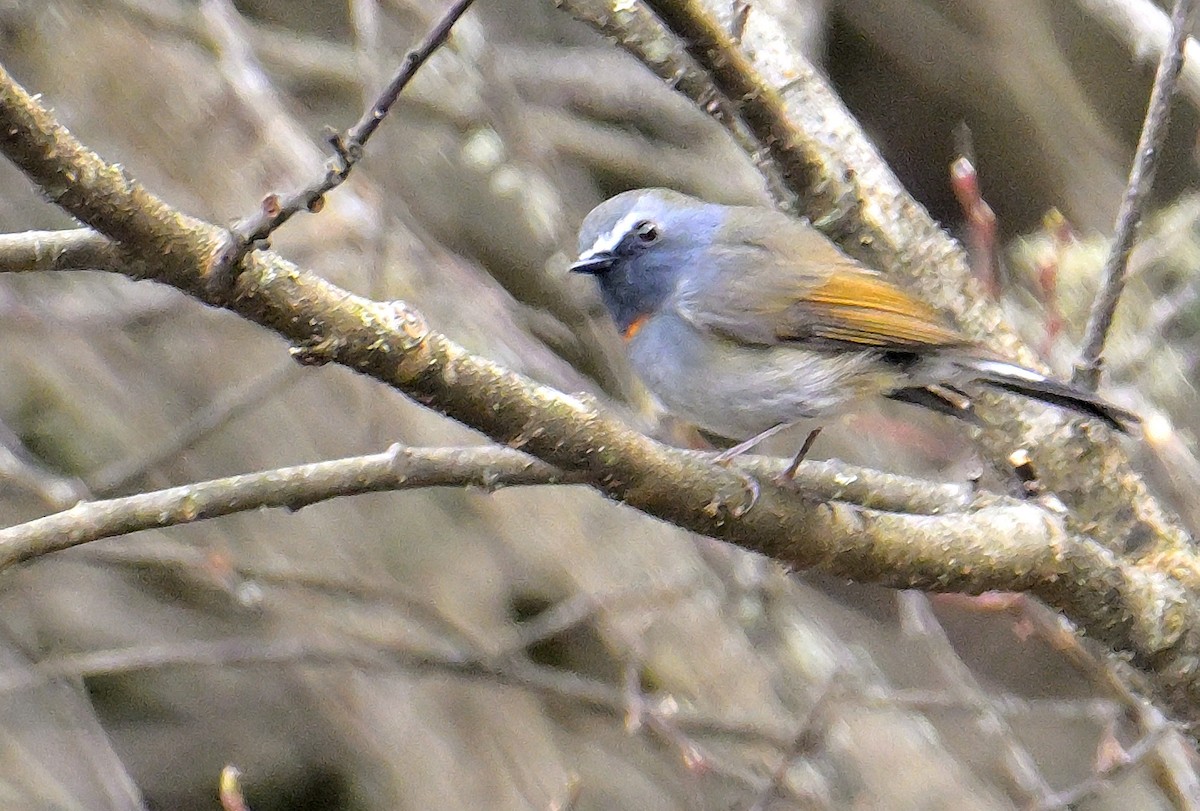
(743, 321)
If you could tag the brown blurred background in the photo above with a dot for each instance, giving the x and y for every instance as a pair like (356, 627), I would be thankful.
(536, 648)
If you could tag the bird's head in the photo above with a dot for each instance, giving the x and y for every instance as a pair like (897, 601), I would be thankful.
(640, 243)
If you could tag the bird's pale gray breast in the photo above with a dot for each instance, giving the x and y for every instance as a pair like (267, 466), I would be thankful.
(738, 390)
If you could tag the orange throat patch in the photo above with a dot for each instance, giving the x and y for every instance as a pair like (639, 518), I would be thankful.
(635, 326)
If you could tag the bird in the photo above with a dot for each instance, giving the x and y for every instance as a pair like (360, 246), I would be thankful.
(743, 320)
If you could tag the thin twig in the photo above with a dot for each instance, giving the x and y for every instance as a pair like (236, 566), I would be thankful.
(21, 469)
(1105, 776)
(979, 216)
(466, 664)
(808, 740)
(348, 148)
(292, 487)
(226, 406)
(1146, 29)
(583, 606)
(1007, 705)
(918, 620)
(1141, 179)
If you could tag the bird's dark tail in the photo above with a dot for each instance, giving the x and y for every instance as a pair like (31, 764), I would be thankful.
(1011, 377)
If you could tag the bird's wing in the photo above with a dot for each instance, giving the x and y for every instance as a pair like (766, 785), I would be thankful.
(861, 308)
(794, 285)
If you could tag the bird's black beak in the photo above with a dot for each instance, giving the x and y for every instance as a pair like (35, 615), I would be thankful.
(593, 263)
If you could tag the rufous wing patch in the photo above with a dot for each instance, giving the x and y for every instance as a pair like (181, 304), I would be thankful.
(859, 307)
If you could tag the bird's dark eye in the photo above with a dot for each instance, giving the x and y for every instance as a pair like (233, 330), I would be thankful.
(646, 232)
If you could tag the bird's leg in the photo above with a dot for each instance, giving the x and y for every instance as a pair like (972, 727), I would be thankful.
(737, 450)
(790, 473)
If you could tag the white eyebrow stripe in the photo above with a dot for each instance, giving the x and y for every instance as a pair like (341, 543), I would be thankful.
(608, 242)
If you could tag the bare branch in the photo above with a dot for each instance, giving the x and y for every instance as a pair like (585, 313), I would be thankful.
(349, 148)
(76, 249)
(397, 468)
(729, 70)
(918, 620)
(1141, 179)
(1146, 29)
(634, 28)
(464, 664)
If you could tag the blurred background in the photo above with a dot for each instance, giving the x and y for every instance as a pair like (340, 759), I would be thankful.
(538, 648)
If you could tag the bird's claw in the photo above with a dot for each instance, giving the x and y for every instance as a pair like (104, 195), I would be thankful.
(752, 490)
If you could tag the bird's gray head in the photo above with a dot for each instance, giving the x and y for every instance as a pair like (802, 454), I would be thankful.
(639, 243)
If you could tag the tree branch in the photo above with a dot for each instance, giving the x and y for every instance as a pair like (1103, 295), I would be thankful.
(76, 249)
(401, 468)
(397, 468)
(348, 149)
(634, 28)
(1141, 180)
(1146, 29)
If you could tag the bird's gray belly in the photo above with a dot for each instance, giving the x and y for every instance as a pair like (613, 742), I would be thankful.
(737, 390)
